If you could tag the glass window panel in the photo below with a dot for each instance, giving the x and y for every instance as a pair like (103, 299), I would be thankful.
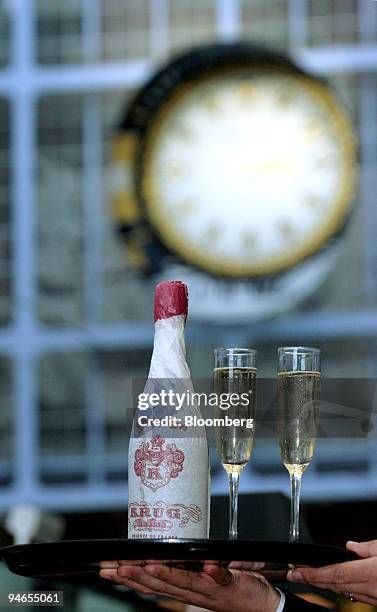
(59, 218)
(332, 21)
(4, 34)
(62, 405)
(119, 368)
(5, 215)
(6, 421)
(59, 31)
(124, 295)
(337, 292)
(265, 21)
(191, 23)
(66, 410)
(125, 29)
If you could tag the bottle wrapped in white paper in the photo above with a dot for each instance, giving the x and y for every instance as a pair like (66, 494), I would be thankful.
(168, 470)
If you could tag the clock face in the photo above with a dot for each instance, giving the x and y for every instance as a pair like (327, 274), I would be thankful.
(247, 175)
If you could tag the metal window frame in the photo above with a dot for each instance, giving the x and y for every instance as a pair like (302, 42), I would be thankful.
(23, 82)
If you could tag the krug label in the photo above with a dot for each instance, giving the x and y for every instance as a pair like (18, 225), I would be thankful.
(168, 488)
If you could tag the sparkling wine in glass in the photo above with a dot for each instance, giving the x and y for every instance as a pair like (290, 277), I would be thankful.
(235, 386)
(298, 418)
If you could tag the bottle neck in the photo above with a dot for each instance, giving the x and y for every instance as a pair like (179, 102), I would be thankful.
(169, 350)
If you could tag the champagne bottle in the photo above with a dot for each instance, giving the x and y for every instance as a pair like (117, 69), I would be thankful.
(168, 467)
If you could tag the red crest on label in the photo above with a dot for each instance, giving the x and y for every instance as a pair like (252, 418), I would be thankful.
(156, 462)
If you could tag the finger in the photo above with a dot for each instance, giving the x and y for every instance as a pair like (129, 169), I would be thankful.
(198, 582)
(137, 562)
(110, 574)
(246, 565)
(340, 573)
(136, 577)
(141, 562)
(366, 587)
(220, 574)
(214, 562)
(136, 586)
(365, 599)
(142, 576)
(363, 549)
(108, 564)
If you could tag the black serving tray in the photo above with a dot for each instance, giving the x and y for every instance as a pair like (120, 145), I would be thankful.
(80, 558)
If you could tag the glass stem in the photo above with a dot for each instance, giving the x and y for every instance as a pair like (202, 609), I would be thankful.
(294, 531)
(234, 480)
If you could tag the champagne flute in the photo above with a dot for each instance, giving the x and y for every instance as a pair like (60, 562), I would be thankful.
(298, 417)
(235, 386)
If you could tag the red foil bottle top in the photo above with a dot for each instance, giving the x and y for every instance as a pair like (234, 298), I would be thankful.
(170, 299)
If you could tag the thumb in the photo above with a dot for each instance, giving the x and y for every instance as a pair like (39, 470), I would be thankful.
(363, 549)
(220, 574)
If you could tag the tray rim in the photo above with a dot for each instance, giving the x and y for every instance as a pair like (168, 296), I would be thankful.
(73, 567)
(179, 544)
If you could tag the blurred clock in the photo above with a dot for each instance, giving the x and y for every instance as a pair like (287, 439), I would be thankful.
(234, 164)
